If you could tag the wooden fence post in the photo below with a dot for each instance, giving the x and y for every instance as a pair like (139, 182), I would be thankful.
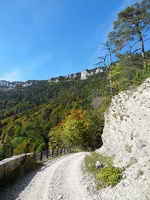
(52, 152)
(41, 156)
(47, 153)
(34, 156)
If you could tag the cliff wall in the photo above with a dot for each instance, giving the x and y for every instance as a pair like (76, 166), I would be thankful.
(126, 136)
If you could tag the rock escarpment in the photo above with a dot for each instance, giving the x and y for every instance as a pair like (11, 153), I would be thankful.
(126, 136)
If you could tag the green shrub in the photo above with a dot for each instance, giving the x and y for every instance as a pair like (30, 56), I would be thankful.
(91, 159)
(109, 175)
(142, 74)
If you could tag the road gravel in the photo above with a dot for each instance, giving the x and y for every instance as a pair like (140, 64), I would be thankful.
(61, 178)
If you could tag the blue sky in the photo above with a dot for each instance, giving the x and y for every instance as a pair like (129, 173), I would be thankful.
(41, 39)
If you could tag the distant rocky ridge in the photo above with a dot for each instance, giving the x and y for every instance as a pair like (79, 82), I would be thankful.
(12, 85)
(80, 75)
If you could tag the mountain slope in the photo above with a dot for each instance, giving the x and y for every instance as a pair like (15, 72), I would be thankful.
(28, 114)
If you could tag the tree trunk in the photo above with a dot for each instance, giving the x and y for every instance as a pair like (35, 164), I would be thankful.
(110, 64)
(110, 85)
(142, 48)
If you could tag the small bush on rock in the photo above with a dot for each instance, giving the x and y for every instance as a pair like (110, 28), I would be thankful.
(109, 175)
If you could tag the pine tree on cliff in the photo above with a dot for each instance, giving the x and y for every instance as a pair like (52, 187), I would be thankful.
(130, 28)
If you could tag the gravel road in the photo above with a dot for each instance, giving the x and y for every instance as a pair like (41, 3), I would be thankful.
(59, 179)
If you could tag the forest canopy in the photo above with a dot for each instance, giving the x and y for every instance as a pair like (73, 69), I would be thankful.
(67, 113)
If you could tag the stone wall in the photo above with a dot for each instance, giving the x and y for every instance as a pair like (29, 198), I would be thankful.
(12, 168)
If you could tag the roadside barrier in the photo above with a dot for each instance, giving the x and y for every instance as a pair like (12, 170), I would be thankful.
(43, 155)
(17, 166)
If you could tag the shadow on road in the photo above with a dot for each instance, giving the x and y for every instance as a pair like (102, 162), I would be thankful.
(13, 191)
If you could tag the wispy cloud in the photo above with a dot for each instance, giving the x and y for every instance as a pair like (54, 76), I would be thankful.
(11, 76)
(114, 15)
(105, 28)
(17, 71)
(128, 2)
(38, 61)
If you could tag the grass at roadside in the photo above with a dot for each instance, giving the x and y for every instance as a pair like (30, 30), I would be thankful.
(108, 175)
(90, 161)
(76, 150)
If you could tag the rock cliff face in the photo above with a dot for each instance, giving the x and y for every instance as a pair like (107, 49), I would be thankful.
(126, 136)
(11, 85)
(80, 75)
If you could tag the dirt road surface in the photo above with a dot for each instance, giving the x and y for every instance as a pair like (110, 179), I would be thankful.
(59, 179)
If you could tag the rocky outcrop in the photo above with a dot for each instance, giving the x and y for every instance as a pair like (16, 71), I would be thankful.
(80, 75)
(12, 85)
(126, 137)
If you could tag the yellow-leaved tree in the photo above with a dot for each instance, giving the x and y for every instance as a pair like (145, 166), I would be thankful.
(78, 128)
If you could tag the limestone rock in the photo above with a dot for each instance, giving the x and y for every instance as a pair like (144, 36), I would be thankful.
(126, 136)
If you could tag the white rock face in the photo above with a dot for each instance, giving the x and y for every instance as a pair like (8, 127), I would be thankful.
(126, 136)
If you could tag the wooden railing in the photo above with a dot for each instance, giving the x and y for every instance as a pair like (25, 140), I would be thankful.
(13, 168)
(43, 155)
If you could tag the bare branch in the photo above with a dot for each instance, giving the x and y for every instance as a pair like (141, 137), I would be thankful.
(136, 50)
